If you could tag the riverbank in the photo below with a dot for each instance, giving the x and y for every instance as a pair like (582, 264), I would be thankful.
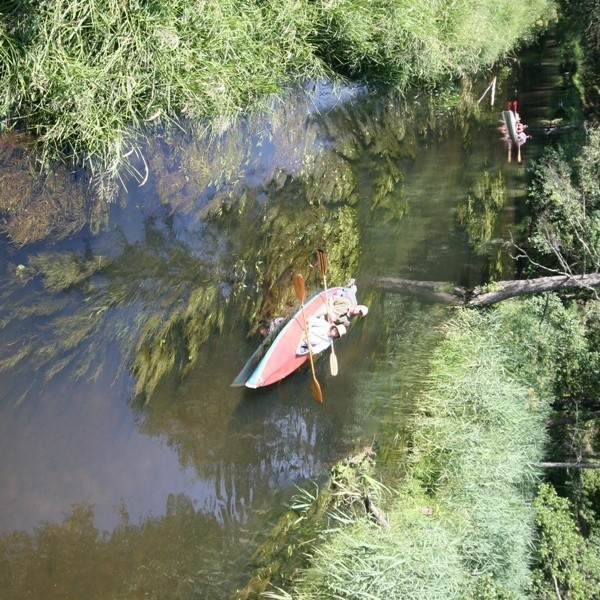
(86, 79)
(459, 500)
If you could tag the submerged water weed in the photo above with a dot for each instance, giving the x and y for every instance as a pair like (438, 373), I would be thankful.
(154, 300)
(160, 301)
(34, 205)
(290, 238)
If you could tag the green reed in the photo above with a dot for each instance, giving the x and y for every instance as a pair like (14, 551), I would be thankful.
(461, 516)
(87, 77)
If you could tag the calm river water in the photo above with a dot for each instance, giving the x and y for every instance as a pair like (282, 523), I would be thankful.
(101, 496)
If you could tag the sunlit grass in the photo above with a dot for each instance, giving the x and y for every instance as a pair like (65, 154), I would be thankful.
(461, 516)
(88, 77)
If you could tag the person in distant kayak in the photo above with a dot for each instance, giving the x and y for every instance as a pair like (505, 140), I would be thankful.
(522, 137)
(321, 335)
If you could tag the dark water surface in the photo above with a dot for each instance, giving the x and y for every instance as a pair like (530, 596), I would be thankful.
(181, 485)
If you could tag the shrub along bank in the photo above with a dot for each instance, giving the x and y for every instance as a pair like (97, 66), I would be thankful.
(462, 519)
(86, 77)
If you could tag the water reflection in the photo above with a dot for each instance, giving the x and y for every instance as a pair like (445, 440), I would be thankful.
(159, 557)
(158, 309)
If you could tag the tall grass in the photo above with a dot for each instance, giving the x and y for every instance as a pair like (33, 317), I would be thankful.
(94, 73)
(461, 521)
(404, 42)
(87, 76)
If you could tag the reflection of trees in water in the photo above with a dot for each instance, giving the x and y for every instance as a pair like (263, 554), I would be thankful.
(181, 554)
(248, 208)
(479, 212)
(263, 446)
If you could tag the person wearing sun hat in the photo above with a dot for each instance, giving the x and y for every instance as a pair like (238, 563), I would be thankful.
(321, 334)
(342, 309)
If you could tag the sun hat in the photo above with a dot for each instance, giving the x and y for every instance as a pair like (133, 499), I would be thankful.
(363, 309)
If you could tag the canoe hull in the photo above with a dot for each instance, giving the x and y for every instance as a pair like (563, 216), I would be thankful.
(510, 120)
(276, 359)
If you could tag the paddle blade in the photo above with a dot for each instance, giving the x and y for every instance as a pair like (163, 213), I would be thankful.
(299, 287)
(315, 389)
(333, 363)
(322, 262)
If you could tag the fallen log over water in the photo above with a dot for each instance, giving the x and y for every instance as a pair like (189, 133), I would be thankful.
(446, 293)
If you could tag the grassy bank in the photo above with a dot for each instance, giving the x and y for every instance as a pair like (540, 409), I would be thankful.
(462, 520)
(86, 78)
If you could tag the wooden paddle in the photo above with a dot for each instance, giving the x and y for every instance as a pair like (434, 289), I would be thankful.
(322, 261)
(300, 290)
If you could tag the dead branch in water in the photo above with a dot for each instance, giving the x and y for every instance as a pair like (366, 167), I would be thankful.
(445, 293)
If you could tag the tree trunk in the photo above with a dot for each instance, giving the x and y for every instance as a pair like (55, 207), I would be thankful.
(446, 293)
(568, 465)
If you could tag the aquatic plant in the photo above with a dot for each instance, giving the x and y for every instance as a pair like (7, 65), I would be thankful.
(291, 238)
(88, 78)
(153, 298)
(38, 205)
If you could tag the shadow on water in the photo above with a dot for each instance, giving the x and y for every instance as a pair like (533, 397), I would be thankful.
(119, 348)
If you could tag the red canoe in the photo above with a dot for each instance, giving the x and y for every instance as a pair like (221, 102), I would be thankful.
(276, 357)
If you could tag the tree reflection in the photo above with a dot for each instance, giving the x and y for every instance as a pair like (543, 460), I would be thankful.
(242, 210)
(479, 214)
(181, 554)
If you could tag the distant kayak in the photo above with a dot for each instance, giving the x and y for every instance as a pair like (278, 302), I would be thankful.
(276, 357)
(510, 120)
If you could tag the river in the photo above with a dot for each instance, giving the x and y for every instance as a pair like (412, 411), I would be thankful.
(105, 493)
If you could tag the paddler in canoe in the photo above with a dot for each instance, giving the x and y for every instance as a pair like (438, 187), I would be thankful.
(342, 308)
(282, 352)
(513, 130)
(321, 335)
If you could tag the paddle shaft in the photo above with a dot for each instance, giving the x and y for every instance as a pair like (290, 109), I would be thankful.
(300, 290)
(322, 261)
